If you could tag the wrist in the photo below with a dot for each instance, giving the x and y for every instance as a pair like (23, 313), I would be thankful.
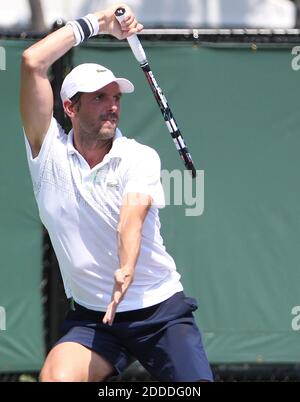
(84, 28)
(102, 21)
(127, 272)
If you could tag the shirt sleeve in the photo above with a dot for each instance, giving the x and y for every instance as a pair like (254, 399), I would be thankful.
(143, 176)
(37, 164)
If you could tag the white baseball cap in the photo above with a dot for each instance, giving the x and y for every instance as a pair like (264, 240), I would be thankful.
(90, 77)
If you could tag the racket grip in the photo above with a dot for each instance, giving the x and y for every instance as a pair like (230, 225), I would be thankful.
(133, 40)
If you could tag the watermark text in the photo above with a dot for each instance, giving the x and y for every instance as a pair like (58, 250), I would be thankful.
(2, 59)
(296, 60)
(176, 187)
(2, 319)
(296, 320)
(181, 189)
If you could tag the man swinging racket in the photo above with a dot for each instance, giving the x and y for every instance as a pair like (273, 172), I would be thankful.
(98, 195)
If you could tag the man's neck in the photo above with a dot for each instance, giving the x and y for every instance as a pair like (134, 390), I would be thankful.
(93, 152)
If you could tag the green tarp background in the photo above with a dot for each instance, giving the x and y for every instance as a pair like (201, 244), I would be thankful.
(22, 343)
(239, 112)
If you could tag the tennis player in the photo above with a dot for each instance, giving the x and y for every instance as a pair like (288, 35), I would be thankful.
(98, 195)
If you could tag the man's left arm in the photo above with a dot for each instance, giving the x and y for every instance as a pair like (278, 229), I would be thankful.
(132, 216)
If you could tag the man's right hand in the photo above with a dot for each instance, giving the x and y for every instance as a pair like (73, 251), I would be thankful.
(109, 24)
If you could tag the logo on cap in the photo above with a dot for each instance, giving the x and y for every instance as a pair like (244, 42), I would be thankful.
(100, 71)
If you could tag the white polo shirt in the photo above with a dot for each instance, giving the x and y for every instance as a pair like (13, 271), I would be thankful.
(80, 208)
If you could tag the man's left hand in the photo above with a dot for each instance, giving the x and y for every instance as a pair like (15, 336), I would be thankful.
(123, 279)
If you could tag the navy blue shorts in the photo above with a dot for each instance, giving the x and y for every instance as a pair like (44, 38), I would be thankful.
(164, 338)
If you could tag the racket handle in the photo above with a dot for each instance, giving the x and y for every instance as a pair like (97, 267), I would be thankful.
(133, 40)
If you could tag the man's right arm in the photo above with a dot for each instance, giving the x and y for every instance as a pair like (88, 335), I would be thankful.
(36, 98)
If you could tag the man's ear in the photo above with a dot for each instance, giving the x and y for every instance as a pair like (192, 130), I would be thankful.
(69, 108)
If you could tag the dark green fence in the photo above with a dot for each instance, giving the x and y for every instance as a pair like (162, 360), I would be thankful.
(22, 343)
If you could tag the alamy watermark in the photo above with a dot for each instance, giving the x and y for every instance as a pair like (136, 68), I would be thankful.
(181, 189)
(296, 320)
(296, 60)
(2, 59)
(2, 319)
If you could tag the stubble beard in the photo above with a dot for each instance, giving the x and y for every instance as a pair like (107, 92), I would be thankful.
(106, 133)
(103, 132)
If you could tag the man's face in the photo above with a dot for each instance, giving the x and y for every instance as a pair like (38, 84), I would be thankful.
(97, 113)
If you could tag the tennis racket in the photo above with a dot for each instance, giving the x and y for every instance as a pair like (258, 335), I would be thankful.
(161, 100)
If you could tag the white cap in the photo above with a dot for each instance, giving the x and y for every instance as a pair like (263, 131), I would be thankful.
(90, 77)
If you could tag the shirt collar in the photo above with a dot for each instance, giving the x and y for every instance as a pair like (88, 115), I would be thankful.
(115, 151)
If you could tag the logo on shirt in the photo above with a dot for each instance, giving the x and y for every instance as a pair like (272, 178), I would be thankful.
(113, 184)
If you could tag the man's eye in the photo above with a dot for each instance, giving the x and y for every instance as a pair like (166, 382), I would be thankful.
(99, 97)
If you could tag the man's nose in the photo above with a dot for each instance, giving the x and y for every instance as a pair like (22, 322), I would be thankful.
(114, 107)
(113, 104)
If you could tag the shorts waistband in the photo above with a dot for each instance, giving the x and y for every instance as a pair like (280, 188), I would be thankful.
(123, 316)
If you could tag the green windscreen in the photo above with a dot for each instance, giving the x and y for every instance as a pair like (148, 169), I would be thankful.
(21, 332)
(239, 114)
